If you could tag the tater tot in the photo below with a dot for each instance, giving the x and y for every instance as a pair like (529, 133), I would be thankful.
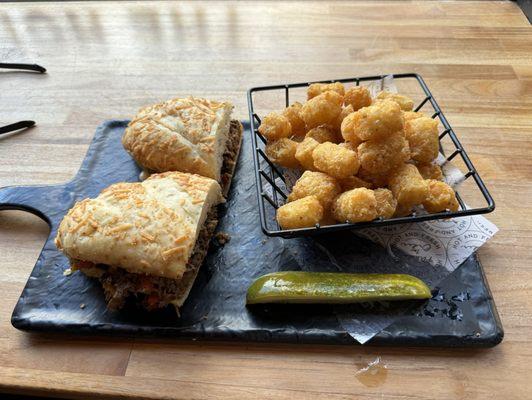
(283, 152)
(355, 205)
(430, 171)
(386, 203)
(322, 109)
(318, 88)
(403, 210)
(275, 126)
(334, 160)
(297, 124)
(440, 197)
(422, 136)
(406, 103)
(377, 180)
(410, 115)
(322, 134)
(337, 125)
(328, 218)
(378, 120)
(357, 97)
(379, 156)
(348, 145)
(304, 153)
(318, 184)
(353, 182)
(407, 186)
(347, 129)
(302, 213)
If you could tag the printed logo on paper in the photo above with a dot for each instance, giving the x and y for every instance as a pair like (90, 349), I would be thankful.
(447, 227)
(394, 229)
(485, 226)
(372, 234)
(463, 246)
(426, 248)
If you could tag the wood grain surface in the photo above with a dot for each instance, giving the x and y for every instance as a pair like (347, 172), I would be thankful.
(105, 60)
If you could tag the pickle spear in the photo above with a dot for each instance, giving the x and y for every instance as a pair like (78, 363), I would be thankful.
(327, 287)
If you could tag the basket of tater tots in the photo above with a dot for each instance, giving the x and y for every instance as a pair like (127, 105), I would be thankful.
(347, 158)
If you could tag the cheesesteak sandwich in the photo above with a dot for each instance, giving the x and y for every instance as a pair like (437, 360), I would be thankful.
(147, 240)
(143, 239)
(182, 134)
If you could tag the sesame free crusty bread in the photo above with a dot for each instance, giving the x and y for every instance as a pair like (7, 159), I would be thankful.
(152, 291)
(144, 228)
(182, 134)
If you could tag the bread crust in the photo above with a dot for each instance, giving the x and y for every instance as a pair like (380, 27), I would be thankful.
(146, 227)
(181, 134)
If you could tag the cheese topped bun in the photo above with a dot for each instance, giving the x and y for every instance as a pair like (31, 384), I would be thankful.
(145, 228)
(182, 134)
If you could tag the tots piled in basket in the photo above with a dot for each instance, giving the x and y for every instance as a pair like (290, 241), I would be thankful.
(362, 158)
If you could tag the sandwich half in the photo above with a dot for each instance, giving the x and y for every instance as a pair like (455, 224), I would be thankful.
(144, 240)
(182, 134)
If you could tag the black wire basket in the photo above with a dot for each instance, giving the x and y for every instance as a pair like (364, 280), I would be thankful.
(271, 183)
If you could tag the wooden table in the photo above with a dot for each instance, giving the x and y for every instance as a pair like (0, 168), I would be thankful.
(105, 60)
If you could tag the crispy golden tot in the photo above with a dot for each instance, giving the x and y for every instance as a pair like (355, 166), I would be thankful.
(379, 156)
(407, 186)
(357, 97)
(348, 145)
(318, 184)
(348, 132)
(353, 182)
(422, 136)
(328, 218)
(410, 115)
(378, 120)
(403, 210)
(377, 180)
(322, 134)
(440, 197)
(302, 213)
(297, 124)
(304, 153)
(336, 161)
(283, 152)
(318, 88)
(275, 126)
(355, 205)
(386, 203)
(406, 103)
(430, 171)
(337, 125)
(322, 109)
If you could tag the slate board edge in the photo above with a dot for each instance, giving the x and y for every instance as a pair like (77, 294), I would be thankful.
(339, 337)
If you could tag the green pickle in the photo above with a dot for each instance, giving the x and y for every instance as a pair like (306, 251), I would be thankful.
(327, 287)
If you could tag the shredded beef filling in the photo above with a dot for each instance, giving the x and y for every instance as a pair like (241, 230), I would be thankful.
(154, 292)
(230, 155)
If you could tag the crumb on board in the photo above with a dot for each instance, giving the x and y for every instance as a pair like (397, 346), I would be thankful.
(82, 306)
(222, 238)
(67, 272)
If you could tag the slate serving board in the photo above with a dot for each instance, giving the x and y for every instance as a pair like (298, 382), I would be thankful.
(461, 313)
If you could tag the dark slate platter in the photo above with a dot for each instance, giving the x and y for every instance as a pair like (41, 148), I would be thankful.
(461, 313)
